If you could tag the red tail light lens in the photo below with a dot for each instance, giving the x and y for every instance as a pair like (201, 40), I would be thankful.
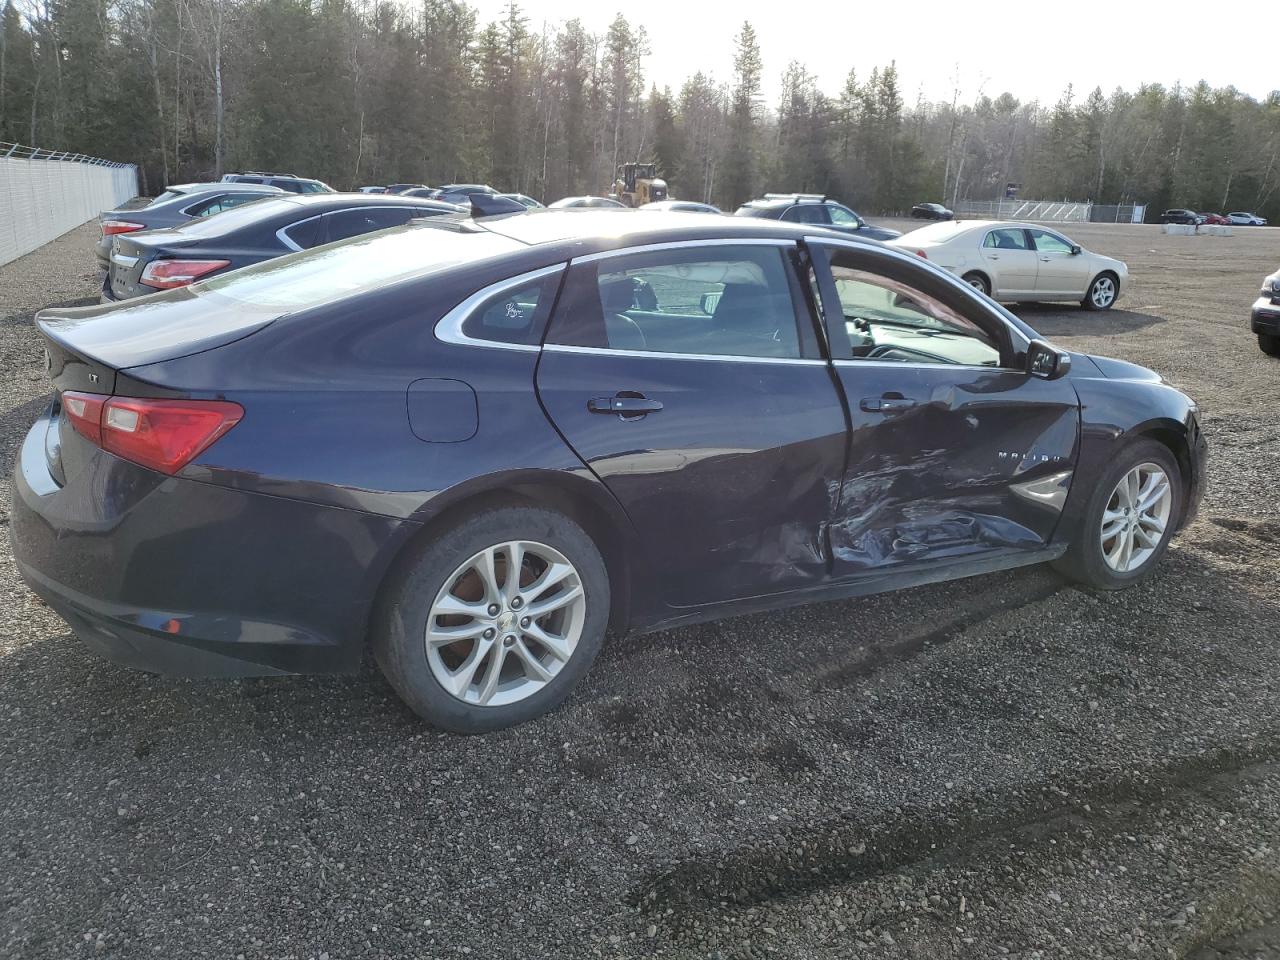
(922, 254)
(84, 410)
(164, 435)
(167, 274)
(111, 227)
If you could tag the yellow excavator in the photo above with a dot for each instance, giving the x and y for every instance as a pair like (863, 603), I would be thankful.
(638, 184)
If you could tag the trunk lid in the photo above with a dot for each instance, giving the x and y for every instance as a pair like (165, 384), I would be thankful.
(131, 253)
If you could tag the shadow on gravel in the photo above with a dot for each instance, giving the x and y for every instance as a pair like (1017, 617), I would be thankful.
(14, 425)
(1056, 320)
(26, 319)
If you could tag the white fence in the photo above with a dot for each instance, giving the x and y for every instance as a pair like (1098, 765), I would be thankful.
(1052, 211)
(43, 194)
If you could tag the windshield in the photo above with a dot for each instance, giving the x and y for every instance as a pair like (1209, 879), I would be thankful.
(336, 270)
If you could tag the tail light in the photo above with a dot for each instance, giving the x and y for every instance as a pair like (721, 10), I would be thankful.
(922, 255)
(111, 227)
(167, 274)
(164, 435)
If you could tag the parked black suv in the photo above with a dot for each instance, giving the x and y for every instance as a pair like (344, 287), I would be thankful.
(285, 181)
(1178, 215)
(1265, 320)
(816, 209)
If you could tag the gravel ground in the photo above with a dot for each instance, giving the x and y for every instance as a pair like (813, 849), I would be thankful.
(1010, 767)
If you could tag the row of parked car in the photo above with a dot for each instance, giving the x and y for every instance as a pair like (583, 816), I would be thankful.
(1191, 218)
(177, 239)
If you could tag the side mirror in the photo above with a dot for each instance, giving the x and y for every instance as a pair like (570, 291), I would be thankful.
(1046, 361)
(1075, 250)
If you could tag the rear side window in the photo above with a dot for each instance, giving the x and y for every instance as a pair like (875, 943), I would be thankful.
(208, 208)
(806, 213)
(304, 234)
(248, 180)
(1006, 240)
(514, 316)
(726, 301)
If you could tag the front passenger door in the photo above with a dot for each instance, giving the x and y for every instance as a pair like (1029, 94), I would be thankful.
(1061, 272)
(690, 382)
(1010, 263)
(957, 453)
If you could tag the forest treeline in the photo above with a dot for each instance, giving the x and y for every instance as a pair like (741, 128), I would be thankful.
(358, 92)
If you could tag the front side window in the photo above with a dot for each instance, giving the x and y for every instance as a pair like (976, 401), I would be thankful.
(1050, 242)
(888, 319)
(1012, 239)
(843, 216)
(722, 301)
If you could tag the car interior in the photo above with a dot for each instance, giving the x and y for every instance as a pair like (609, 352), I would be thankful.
(727, 307)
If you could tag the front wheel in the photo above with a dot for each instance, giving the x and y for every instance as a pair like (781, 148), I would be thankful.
(1269, 344)
(978, 282)
(494, 622)
(1130, 519)
(1102, 293)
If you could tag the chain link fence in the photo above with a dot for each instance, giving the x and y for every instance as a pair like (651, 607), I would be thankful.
(1050, 211)
(45, 193)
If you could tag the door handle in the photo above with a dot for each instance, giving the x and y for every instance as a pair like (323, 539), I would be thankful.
(624, 405)
(993, 256)
(1045, 259)
(887, 404)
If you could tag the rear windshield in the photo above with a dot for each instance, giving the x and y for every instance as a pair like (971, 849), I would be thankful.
(941, 232)
(167, 195)
(337, 270)
(240, 216)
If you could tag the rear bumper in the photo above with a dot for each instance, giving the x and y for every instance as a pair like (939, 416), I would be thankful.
(1265, 317)
(191, 579)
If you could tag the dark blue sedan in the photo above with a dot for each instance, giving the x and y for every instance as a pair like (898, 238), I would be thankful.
(477, 445)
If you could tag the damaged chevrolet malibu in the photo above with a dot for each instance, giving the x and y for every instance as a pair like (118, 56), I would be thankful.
(476, 447)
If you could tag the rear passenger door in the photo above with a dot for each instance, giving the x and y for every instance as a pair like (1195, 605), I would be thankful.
(1010, 263)
(689, 380)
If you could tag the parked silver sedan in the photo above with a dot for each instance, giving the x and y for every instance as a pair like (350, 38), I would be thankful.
(1012, 261)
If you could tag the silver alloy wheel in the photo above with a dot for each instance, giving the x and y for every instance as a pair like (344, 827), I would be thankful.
(1135, 517)
(505, 623)
(978, 284)
(1103, 292)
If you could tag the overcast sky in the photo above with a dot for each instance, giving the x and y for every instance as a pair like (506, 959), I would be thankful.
(1032, 48)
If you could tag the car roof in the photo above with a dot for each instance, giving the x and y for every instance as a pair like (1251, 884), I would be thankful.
(587, 230)
(230, 186)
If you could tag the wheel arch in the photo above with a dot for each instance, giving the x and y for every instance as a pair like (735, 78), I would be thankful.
(1172, 435)
(584, 501)
(986, 278)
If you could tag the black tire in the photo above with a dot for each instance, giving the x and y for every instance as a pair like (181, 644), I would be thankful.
(399, 640)
(1089, 302)
(1269, 344)
(978, 282)
(1084, 561)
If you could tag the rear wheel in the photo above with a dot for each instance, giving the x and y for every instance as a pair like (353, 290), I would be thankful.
(1269, 344)
(978, 282)
(1102, 292)
(1129, 521)
(495, 621)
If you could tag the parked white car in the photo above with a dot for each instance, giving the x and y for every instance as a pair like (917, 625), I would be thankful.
(1019, 261)
(1247, 219)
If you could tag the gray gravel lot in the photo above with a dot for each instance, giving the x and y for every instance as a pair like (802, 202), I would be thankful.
(1005, 766)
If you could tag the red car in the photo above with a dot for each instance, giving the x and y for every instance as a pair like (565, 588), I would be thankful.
(1215, 219)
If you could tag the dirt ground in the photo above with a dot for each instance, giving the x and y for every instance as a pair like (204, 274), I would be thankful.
(1006, 767)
